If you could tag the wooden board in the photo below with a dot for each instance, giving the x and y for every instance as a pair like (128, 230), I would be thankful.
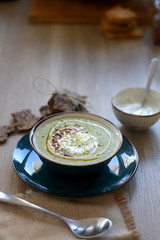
(84, 11)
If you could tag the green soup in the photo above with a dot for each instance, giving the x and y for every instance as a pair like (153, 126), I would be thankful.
(75, 141)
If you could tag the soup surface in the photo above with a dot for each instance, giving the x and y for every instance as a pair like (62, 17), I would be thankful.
(75, 141)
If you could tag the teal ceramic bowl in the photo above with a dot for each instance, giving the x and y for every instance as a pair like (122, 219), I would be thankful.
(75, 143)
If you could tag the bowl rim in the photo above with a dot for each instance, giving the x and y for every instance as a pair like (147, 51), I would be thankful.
(31, 135)
(131, 114)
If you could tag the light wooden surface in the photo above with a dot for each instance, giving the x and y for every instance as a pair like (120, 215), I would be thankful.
(79, 58)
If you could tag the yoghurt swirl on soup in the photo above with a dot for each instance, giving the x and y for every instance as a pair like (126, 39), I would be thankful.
(77, 141)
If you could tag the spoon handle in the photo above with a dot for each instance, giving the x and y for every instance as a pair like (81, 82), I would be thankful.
(7, 198)
(153, 66)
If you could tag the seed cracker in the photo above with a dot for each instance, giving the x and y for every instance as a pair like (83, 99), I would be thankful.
(59, 102)
(134, 34)
(24, 120)
(120, 15)
(5, 131)
(64, 102)
(114, 28)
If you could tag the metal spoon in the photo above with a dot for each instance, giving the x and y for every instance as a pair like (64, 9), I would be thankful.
(83, 228)
(152, 70)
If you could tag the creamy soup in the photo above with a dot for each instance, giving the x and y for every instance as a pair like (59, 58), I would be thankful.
(75, 141)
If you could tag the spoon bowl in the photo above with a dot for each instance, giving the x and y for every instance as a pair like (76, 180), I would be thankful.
(89, 227)
(82, 228)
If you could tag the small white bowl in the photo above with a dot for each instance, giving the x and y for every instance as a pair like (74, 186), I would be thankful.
(128, 110)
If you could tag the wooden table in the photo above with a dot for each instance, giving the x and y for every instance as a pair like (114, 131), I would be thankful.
(79, 58)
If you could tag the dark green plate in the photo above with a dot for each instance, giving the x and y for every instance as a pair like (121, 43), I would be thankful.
(29, 167)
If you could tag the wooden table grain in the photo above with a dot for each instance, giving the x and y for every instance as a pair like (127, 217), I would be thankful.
(81, 59)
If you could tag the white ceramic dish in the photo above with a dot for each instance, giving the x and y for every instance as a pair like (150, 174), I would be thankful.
(128, 110)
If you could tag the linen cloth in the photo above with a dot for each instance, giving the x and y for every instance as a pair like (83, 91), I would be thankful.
(24, 223)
